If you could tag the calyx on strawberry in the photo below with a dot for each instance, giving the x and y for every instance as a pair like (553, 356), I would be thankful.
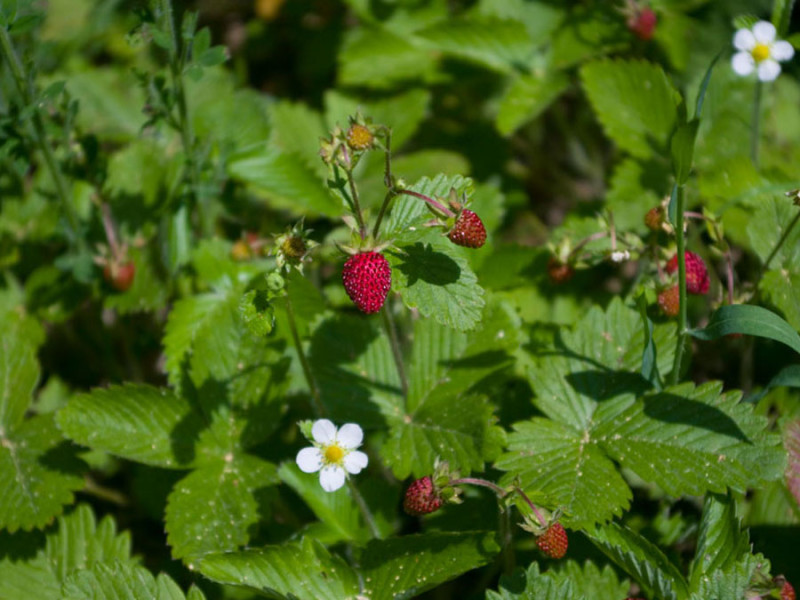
(367, 278)
(696, 273)
(669, 301)
(468, 230)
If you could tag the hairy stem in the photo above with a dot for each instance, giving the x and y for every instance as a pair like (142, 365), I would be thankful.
(364, 509)
(397, 353)
(26, 92)
(676, 365)
(532, 506)
(437, 205)
(502, 492)
(316, 399)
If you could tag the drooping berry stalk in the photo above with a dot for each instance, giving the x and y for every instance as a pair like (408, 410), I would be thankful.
(430, 201)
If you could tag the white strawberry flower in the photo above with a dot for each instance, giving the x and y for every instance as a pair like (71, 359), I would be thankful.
(333, 454)
(759, 51)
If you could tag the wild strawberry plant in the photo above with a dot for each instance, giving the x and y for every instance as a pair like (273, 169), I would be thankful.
(395, 299)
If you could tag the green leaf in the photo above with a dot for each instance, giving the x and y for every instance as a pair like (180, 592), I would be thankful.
(527, 98)
(635, 187)
(19, 374)
(75, 543)
(643, 561)
(500, 45)
(303, 570)
(38, 474)
(434, 277)
(297, 130)
(682, 150)
(770, 222)
(284, 180)
(734, 582)
(782, 15)
(781, 288)
(122, 580)
(533, 585)
(213, 56)
(721, 540)
(149, 292)
(649, 365)
(410, 565)
(750, 320)
(257, 312)
(792, 443)
(635, 103)
(213, 508)
(592, 582)
(335, 509)
(138, 422)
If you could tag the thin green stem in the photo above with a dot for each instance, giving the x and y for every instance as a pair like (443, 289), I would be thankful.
(388, 181)
(780, 242)
(682, 312)
(387, 200)
(508, 559)
(24, 87)
(397, 353)
(362, 227)
(364, 509)
(755, 123)
(316, 399)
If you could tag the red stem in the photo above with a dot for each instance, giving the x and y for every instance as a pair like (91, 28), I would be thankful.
(437, 205)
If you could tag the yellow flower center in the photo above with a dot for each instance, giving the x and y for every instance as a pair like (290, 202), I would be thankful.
(333, 454)
(760, 52)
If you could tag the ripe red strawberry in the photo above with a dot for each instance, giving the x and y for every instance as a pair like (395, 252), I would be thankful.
(696, 272)
(787, 592)
(654, 218)
(559, 272)
(120, 275)
(422, 497)
(669, 300)
(553, 542)
(643, 23)
(367, 278)
(468, 230)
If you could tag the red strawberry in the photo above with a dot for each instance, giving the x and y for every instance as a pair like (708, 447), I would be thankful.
(669, 301)
(422, 497)
(120, 275)
(643, 23)
(559, 272)
(367, 278)
(553, 542)
(787, 592)
(696, 273)
(468, 230)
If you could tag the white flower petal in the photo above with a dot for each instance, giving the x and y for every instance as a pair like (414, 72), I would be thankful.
(355, 461)
(350, 436)
(768, 70)
(744, 40)
(309, 460)
(331, 478)
(781, 51)
(764, 32)
(743, 63)
(323, 431)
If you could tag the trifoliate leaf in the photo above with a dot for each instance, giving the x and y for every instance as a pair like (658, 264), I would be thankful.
(635, 103)
(407, 566)
(213, 508)
(644, 562)
(303, 570)
(75, 543)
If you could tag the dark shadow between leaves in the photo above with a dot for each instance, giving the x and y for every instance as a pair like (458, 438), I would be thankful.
(422, 262)
(204, 401)
(602, 385)
(670, 408)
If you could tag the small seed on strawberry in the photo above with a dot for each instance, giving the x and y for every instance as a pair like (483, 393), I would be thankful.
(553, 542)
(421, 497)
(367, 278)
(468, 230)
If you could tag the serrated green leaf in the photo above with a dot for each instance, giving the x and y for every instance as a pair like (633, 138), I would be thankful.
(689, 440)
(213, 508)
(19, 374)
(721, 541)
(284, 180)
(635, 103)
(733, 582)
(122, 581)
(781, 288)
(500, 45)
(75, 543)
(336, 509)
(257, 312)
(433, 276)
(750, 320)
(527, 98)
(643, 561)
(302, 570)
(561, 468)
(407, 566)
(38, 474)
(770, 222)
(138, 422)
(570, 581)
(297, 129)
(592, 582)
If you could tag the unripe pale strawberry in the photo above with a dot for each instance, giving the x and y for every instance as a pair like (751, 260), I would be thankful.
(422, 497)
(553, 542)
(468, 230)
(696, 273)
(669, 301)
(367, 278)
